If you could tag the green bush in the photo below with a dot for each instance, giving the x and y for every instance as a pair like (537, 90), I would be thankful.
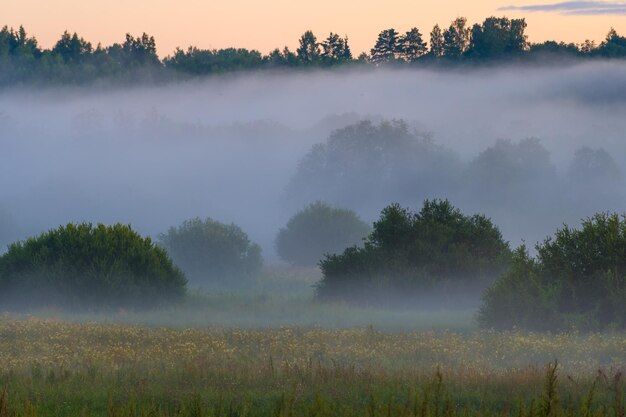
(213, 254)
(577, 280)
(408, 253)
(316, 230)
(88, 266)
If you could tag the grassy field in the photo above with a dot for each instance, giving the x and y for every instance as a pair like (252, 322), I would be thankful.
(53, 367)
(249, 353)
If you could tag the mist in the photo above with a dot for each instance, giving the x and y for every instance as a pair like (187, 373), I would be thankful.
(227, 147)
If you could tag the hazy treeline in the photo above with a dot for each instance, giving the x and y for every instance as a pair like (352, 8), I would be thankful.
(516, 181)
(73, 59)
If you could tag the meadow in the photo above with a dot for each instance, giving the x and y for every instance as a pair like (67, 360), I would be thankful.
(121, 366)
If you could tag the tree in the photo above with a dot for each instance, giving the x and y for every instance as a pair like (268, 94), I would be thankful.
(511, 171)
(498, 37)
(366, 163)
(86, 266)
(588, 47)
(577, 280)
(408, 253)
(456, 39)
(316, 230)
(213, 254)
(386, 48)
(336, 49)
(594, 181)
(139, 51)
(72, 48)
(560, 49)
(436, 42)
(594, 165)
(278, 58)
(412, 46)
(199, 61)
(614, 45)
(309, 50)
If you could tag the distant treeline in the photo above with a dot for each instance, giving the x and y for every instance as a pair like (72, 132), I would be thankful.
(75, 60)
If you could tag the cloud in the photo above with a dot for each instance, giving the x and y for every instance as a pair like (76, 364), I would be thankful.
(574, 8)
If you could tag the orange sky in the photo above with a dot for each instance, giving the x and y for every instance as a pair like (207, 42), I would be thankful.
(274, 23)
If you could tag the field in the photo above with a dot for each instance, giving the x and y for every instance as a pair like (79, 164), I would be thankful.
(130, 365)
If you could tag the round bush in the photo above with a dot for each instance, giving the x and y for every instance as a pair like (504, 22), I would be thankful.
(213, 254)
(317, 230)
(88, 266)
(577, 280)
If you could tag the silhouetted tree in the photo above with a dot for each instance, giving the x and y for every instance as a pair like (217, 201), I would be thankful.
(613, 46)
(436, 42)
(336, 49)
(309, 50)
(560, 49)
(456, 39)
(72, 48)
(386, 48)
(412, 46)
(199, 61)
(498, 37)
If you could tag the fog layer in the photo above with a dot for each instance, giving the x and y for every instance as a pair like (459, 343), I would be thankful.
(228, 147)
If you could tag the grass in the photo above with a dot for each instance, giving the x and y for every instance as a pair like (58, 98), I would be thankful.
(60, 368)
(254, 354)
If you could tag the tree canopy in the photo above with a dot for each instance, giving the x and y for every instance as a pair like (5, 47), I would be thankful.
(87, 266)
(319, 229)
(73, 59)
(409, 253)
(368, 159)
(213, 254)
(577, 280)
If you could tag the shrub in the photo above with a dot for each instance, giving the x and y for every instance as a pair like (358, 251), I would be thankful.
(316, 230)
(213, 254)
(88, 266)
(577, 280)
(411, 252)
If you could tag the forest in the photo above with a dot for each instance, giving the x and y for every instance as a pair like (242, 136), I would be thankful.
(74, 60)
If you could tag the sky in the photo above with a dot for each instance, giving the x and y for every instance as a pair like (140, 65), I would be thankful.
(265, 25)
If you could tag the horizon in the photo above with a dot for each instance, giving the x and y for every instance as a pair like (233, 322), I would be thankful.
(280, 23)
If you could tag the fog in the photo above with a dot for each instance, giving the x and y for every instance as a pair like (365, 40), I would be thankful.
(227, 147)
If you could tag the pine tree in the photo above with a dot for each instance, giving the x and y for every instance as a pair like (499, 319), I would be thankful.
(386, 48)
(436, 42)
(412, 46)
(309, 50)
(456, 38)
(335, 49)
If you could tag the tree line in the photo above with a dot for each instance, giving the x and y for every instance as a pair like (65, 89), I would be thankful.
(75, 60)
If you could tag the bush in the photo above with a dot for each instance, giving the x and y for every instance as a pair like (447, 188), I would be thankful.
(88, 267)
(407, 253)
(316, 230)
(213, 254)
(577, 280)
